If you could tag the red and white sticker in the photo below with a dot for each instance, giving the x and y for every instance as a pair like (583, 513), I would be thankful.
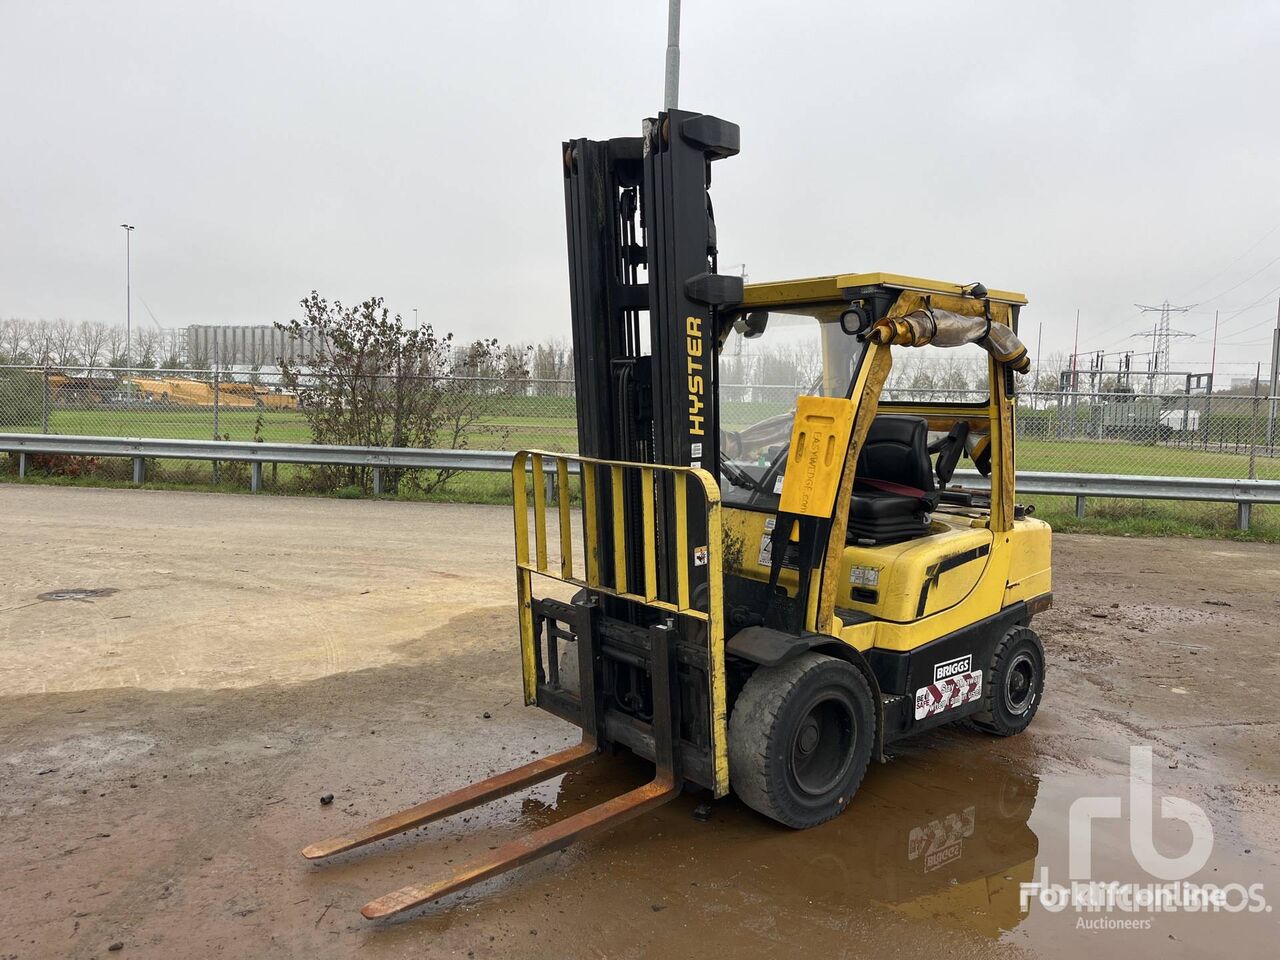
(948, 694)
(939, 841)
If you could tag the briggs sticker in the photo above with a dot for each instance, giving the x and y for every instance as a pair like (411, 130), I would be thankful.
(950, 668)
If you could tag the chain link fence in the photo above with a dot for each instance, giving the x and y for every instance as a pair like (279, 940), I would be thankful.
(1229, 436)
(475, 413)
(1222, 435)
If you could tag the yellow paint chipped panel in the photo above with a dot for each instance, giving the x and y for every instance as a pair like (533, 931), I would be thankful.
(943, 568)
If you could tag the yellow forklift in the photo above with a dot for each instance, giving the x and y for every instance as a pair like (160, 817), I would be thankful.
(764, 609)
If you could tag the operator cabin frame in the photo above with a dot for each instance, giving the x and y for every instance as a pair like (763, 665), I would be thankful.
(976, 570)
(833, 608)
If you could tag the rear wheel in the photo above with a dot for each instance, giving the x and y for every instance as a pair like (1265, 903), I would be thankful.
(1015, 684)
(800, 738)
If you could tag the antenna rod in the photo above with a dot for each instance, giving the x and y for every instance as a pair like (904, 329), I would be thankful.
(672, 94)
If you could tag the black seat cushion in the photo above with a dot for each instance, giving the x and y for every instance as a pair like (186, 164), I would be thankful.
(893, 482)
(875, 505)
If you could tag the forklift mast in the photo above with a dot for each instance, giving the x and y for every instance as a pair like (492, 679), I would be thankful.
(642, 241)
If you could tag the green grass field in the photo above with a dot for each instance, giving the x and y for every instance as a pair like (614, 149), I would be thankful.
(1109, 456)
(278, 426)
(517, 424)
(513, 423)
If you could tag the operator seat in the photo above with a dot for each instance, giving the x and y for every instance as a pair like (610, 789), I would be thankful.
(893, 488)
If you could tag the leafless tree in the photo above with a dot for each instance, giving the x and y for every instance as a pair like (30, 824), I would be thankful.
(115, 346)
(146, 344)
(733, 373)
(169, 350)
(62, 343)
(552, 360)
(199, 360)
(510, 364)
(789, 364)
(40, 341)
(91, 342)
(13, 340)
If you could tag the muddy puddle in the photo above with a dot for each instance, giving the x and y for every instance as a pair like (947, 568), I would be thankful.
(943, 837)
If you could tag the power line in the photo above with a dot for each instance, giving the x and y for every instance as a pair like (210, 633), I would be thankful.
(1253, 326)
(1269, 263)
(1123, 337)
(1252, 306)
(1214, 276)
(1257, 303)
(1252, 247)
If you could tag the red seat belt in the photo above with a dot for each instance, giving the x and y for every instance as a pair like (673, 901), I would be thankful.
(889, 487)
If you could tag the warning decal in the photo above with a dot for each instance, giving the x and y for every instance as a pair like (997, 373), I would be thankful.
(790, 556)
(949, 693)
(941, 841)
(864, 576)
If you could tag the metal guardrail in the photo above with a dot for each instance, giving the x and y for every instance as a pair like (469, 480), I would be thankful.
(141, 449)
(1243, 493)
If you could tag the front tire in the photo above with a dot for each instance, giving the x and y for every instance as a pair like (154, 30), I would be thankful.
(800, 739)
(1015, 684)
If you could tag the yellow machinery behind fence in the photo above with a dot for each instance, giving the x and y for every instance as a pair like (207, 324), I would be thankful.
(183, 391)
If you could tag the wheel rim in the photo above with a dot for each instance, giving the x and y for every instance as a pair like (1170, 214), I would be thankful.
(1020, 683)
(822, 747)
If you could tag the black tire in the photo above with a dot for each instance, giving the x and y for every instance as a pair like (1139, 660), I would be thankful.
(1014, 684)
(800, 738)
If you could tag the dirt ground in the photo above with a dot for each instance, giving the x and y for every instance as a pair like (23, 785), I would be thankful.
(163, 749)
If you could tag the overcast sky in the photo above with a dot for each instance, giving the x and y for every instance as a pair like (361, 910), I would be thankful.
(1089, 154)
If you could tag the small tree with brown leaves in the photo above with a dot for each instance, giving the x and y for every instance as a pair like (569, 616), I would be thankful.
(375, 383)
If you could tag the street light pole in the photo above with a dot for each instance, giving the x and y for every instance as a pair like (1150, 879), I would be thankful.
(671, 91)
(128, 291)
